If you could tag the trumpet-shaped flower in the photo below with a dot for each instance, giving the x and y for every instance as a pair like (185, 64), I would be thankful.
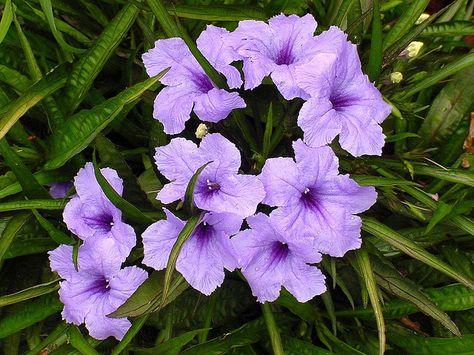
(203, 256)
(271, 258)
(188, 88)
(343, 100)
(313, 198)
(90, 213)
(276, 48)
(219, 187)
(97, 288)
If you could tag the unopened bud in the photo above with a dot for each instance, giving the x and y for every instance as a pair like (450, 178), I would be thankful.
(201, 131)
(412, 50)
(396, 77)
(422, 18)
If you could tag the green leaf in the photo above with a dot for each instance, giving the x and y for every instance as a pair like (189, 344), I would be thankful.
(59, 331)
(130, 211)
(189, 194)
(31, 187)
(48, 11)
(185, 233)
(366, 180)
(31, 204)
(148, 297)
(267, 136)
(375, 57)
(29, 314)
(130, 334)
(449, 29)
(369, 279)
(441, 212)
(7, 18)
(76, 339)
(341, 14)
(405, 22)
(55, 234)
(453, 67)
(13, 227)
(216, 12)
(294, 346)
(272, 328)
(13, 78)
(76, 133)
(408, 247)
(11, 113)
(448, 109)
(400, 136)
(172, 346)
(93, 60)
(31, 292)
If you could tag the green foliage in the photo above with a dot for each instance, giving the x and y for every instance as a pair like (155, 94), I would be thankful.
(72, 84)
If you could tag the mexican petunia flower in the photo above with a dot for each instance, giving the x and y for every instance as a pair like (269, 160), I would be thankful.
(59, 189)
(343, 100)
(188, 87)
(276, 48)
(271, 258)
(97, 288)
(219, 188)
(203, 256)
(313, 198)
(90, 213)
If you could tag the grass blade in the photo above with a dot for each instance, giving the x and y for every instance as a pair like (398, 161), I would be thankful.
(272, 329)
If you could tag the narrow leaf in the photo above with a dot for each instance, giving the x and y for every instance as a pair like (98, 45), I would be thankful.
(13, 227)
(31, 292)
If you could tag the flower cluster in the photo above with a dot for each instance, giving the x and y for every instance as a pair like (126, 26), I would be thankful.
(314, 207)
(99, 285)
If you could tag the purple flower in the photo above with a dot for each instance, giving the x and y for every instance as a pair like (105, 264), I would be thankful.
(187, 84)
(343, 100)
(97, 289)
(91, 213)
(219, 188)
(59, 189)
(271, 257)
(313, 198)
(276, 48)
(203, 256)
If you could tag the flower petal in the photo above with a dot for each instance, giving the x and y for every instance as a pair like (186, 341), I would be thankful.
(217, 104)
(315, 164)
(158, 240)
(173, 106)
(361, 138)
(346, 192)
(239, 194)
(281, 181)
(99, 256)
(319, 122)
(88, 188)
(61, 261)
(283, 77)
(303, 281)
(225, 155)
(124, 283)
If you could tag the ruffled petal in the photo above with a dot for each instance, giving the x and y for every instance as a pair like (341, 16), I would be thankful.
(303, 281)
(214, 43)
(61, 261)
(319, 122)
(88, 188)
(284, 78)
(346, 192)
(239, 194)
(224, 154)
(124, 283)
(217, 104)
(99, 257)
(315, 164)
(100, 326)
(173, 106)
(281, 180)
(158, 240)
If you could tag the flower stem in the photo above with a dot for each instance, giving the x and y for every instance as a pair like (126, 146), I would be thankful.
(272, 329)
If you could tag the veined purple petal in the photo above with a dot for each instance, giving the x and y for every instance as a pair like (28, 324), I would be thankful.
(60, 189)
(217, 104)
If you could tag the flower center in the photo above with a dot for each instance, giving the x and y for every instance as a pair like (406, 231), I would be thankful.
(203, 82)
(212, 186)
(339, 101)
(101, 285)
(103, 222)
(279, 252)
(309, 199)
(285, 54)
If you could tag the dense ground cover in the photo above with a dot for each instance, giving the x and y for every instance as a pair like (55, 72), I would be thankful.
(74, 89)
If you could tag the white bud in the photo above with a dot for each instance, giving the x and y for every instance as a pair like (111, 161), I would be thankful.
(412, 50)
(422, 18)
(201, 131)
(396, 77)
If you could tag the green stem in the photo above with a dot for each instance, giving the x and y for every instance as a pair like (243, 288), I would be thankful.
(207, 321)
(272, 329)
